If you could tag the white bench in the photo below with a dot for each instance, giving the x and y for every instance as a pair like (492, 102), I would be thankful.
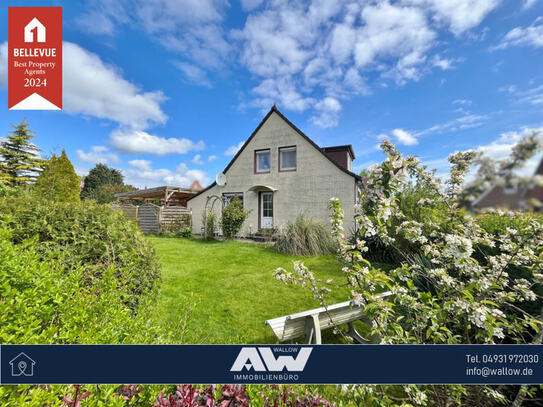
(310, 324)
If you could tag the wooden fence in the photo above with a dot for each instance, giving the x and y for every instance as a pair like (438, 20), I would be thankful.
(154, 219)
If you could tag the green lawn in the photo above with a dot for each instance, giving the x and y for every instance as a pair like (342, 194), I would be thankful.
(232, 286)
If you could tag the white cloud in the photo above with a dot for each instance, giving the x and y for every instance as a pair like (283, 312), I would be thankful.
(141, 174)
(188, 27)
(194, 74)
(232, 150)
(94, 88)
(130, 141)
(4, 65)
(443, 63)
(197, 159)
(98, 154)
(249, 5)
(328, 110)
(531, 35)
(463, 102)
(533, 96)
(404, 137)
(501, 147)
(528, 3)
(460, 15)
(467, 121)
(211, 158)
(303, 52)
(392, 32)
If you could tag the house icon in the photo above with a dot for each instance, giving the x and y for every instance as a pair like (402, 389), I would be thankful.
(35, 30)
(22, 365)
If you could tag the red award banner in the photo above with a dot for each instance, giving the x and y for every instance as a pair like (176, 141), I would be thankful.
(35, 58)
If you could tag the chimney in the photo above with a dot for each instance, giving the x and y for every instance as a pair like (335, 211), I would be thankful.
(342, 155)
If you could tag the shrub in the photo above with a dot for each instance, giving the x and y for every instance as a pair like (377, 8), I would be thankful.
(85, 234)
(304, 237)
(185, 232)
(441, 294)
(209, 221)
(233, 216)
(45, 300)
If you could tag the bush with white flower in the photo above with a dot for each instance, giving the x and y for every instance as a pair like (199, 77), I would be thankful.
(454, 286)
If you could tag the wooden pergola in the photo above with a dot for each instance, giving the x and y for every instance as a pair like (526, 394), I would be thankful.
(167, 195)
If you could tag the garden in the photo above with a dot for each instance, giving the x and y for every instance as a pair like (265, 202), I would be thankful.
(76, 270)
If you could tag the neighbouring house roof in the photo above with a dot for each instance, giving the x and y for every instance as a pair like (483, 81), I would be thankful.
(167, 193)
(301, 133)
(500, 197)
(195, 186)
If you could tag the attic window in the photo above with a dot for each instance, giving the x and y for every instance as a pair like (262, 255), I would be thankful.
(287, 158)
(262, 161)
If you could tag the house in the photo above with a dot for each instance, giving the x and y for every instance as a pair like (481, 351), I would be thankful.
(512, 198)
(279, 173)
(22, 364)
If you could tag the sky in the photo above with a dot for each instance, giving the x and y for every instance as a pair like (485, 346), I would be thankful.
(168, 90)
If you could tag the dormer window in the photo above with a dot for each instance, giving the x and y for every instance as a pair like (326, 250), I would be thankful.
(262, 161)
(287, 158)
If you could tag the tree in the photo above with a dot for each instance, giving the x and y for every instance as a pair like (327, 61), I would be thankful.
(58, 181)
(464, 285)
(106, 193)
(20, 162)
(99, 176)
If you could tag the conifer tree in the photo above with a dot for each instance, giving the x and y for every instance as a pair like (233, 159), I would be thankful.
(58, 181)
(19, 157)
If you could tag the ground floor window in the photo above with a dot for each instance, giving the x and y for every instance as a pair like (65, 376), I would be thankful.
(228, 196)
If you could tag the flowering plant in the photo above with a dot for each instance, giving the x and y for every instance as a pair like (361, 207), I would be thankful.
(455, 288)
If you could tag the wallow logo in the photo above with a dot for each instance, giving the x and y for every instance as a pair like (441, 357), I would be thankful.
(262, 359)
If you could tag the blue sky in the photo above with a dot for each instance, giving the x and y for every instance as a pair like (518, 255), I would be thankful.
(167, 89)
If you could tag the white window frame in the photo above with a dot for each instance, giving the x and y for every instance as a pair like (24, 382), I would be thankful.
(287, 149)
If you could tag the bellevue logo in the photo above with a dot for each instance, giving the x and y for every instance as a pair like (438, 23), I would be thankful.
(263, 359)
(34, 30)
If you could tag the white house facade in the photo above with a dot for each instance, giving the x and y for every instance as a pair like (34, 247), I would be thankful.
(279, 173)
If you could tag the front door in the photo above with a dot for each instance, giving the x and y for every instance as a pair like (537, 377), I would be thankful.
(266, 210)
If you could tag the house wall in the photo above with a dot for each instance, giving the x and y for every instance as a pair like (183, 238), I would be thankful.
(308, 189)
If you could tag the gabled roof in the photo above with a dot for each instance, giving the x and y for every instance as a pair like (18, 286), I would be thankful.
(301, 133)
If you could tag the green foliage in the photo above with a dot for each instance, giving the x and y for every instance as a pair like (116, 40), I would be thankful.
(99, 176)
(46, 300)
(106, 193)
(185, 232)
(497, 223)
(304, 237)
(85, 234)
(58, 180)
(233, 217)
(19, 158)
(209, 220)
